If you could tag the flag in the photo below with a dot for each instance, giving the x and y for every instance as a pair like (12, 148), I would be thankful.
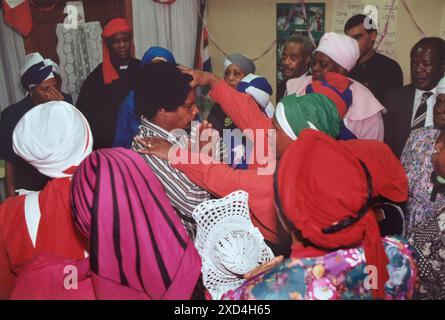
(204, 63)
(17, 14)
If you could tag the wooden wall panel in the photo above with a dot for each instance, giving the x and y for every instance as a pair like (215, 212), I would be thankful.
(43, 36)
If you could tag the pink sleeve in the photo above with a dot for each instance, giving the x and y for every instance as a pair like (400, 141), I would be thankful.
(370, 128)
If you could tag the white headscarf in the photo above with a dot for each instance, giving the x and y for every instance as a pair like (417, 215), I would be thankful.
(54, 137)
(441, 86)
(341, 48)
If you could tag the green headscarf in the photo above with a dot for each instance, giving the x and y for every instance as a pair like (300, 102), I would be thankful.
(314, 110)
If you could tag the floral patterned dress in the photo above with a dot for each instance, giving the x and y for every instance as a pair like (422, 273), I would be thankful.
(416, 158)
(337, 275)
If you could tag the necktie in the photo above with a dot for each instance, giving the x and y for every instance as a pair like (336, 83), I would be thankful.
(420, 117)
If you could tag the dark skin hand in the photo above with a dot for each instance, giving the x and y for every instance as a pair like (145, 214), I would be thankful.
(54, 95)
(263, 268)
(160, 147)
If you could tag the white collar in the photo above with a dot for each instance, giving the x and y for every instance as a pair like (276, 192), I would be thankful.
(419, 92)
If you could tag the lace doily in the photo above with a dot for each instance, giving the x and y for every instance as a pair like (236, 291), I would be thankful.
(80, 52)
(228, 242)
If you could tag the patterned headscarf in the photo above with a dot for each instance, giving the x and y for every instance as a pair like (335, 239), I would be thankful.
(335, 87)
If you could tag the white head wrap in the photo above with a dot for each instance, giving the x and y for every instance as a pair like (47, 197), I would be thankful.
(228, 243)
(280, 116)
(53, 137)
(341, 48)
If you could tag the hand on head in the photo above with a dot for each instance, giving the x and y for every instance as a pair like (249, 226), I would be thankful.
(200, 78)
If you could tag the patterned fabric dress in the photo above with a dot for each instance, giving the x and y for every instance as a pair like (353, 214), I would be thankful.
(428, 239)
(337, 275)
(416, 158)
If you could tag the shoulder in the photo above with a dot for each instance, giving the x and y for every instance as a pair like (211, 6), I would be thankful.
(16, 110)
(67, 98)
(95, 75)
(387, 62)
(425, 134)
(298, 85)
(10, 210)
(402, 91)
(135, 62)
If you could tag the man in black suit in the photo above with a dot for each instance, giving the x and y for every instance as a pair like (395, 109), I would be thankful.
(376, 71)
(411, 106)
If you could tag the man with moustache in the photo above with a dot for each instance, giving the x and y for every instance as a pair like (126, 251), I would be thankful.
(295, 61)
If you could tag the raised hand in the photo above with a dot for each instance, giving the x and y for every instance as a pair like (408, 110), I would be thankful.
(200, 78)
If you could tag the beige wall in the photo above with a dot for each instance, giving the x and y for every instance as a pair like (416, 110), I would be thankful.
(249, 27)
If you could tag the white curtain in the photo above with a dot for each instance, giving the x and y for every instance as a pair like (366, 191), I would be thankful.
(79, 51)
(12, 56)
(170, 26)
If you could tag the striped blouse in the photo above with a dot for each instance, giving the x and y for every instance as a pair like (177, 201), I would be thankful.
(183, 194)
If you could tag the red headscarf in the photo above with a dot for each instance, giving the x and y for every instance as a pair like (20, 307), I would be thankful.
(336, 87)
(111, 28)
(321, 182)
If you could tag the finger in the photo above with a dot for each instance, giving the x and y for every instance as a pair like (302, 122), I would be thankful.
(55, 94)
(185, 69)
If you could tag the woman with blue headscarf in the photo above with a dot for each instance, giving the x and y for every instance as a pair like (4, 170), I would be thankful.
(127, 125)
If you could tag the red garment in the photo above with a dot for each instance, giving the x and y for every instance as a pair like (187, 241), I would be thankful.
(321, 182)
(139, 247)
(56, 232)
(254, 123)
(18, 16)
(111, 28)
(221, 179)
(340, 83)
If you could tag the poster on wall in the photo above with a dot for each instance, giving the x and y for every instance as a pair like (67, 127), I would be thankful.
(296, 19)
(385, 12)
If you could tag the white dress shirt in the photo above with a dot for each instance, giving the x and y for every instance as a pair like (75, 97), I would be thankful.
(430, 105)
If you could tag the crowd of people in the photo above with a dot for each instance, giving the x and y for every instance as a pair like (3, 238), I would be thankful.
(335, 192)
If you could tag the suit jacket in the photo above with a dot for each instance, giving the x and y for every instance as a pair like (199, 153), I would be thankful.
(397, 121)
